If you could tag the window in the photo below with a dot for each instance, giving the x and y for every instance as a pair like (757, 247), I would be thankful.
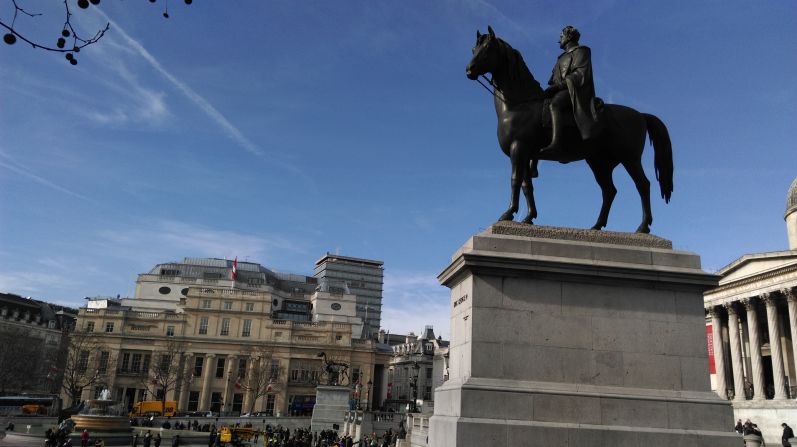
(250, 307)
(135, 365)
(145, 363)
(83, 361)
(228, 305)
(193, 400)
(275, 369)
(241, 368)
(103, 363)
(220, 367)
(237, 402)
(428, 373)
(427, 395)
(247, 328)
(164, 290)
(165, 364)
(270, 405)
(203, 326)
(125, 362)
(355, 375)
(170, 272)
(198, 366)
(206, 304)
(304, 371)
(170, 331)
(90, 326)
(338, 337)
(108, 327)
(225, 326)
(215, 402)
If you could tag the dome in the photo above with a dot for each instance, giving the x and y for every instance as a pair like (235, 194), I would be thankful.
(791, 198)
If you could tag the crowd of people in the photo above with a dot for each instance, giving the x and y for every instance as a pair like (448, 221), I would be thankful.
(749, 428)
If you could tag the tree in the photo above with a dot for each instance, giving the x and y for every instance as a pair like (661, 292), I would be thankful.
(22, 360)
(68, 41)
(263, 375)
(166, 371)
(88, 362)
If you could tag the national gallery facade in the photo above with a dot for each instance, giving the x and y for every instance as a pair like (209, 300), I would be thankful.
(751, 325)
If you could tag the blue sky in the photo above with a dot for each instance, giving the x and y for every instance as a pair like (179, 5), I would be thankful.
(277, 131)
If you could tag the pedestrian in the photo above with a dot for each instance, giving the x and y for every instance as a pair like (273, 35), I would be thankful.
(788, 433)
(147, 439)
(135, 440)
(739, 427)
(176, 441)
(157, 440)
(84, 438)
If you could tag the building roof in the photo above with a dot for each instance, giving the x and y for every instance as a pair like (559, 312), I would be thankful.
(339, 258)
(791, 198)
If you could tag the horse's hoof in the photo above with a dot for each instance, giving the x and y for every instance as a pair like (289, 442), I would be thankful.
(597, 227)
(506, 216)
(643, 229)
(528, 220)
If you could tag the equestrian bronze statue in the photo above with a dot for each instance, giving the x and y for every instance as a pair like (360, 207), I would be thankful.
(583, 128)
(333, 373)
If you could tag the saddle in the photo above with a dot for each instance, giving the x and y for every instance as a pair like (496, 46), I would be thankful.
(596, 108)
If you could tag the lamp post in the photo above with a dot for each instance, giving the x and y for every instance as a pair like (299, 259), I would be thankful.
(368, 395)
(416, 367)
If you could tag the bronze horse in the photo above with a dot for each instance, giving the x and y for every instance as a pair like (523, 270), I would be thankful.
(521, 134)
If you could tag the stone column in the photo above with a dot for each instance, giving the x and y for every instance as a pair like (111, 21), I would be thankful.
(232, 375)
(719, 352)
(778, 372)
(791, 299)
(185, 386)
(207, 371)
(755, 349)
(736, 352)
(249, 394)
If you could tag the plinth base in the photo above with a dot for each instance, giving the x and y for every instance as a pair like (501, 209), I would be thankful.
(579, 341)
(331, 405)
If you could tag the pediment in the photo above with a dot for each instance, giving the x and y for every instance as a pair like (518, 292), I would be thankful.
(756, 264)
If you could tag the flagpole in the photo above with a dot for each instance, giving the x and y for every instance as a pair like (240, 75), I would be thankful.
(234, 271)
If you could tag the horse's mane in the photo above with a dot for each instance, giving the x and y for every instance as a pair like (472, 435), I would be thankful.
(517, 70)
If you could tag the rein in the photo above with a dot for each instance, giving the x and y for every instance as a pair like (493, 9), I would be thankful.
(492, 92)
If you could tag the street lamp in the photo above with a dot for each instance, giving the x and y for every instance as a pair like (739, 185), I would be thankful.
(417, 368)
(368, 395)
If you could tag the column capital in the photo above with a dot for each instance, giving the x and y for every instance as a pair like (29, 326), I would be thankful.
(731, 308)
(210, 356)
(713, 311)
(789, 293)
(748, 303)
(769, 298)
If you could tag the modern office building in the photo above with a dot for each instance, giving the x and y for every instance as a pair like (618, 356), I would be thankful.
(363, 278)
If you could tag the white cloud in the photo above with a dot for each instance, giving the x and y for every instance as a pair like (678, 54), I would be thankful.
(33, 283)
(412, 301)
(156, 240)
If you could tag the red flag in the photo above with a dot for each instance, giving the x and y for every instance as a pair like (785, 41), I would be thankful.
(234, 268)
(238, 383)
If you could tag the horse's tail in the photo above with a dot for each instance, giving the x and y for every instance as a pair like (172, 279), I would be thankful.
(662, 150)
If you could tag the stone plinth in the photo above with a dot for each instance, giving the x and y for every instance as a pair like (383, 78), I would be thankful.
(331, 405)
(572, 342)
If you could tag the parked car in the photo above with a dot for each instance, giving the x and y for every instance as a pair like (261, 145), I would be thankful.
(201, 414)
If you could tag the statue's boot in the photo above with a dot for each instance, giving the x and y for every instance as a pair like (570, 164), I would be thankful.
(555, 150)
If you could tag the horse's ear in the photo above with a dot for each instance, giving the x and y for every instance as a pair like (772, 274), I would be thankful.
(490, 30)
(478, 35)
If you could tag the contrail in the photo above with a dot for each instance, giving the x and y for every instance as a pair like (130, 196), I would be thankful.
(39, 179)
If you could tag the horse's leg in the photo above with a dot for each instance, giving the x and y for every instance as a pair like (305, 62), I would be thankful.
(517, 179)
(602, 170)
(637, 174)
(528, 191)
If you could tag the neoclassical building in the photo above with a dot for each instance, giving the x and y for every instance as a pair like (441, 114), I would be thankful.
(227, 331)
(752, 332)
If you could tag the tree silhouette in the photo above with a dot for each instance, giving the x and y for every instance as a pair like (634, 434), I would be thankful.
(69, 41)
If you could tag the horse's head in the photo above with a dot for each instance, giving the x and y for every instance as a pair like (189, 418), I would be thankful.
(485, 55)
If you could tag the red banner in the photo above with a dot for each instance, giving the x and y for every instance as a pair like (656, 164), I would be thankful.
(710, 342)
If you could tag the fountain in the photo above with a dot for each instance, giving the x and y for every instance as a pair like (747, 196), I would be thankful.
(102, 415)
